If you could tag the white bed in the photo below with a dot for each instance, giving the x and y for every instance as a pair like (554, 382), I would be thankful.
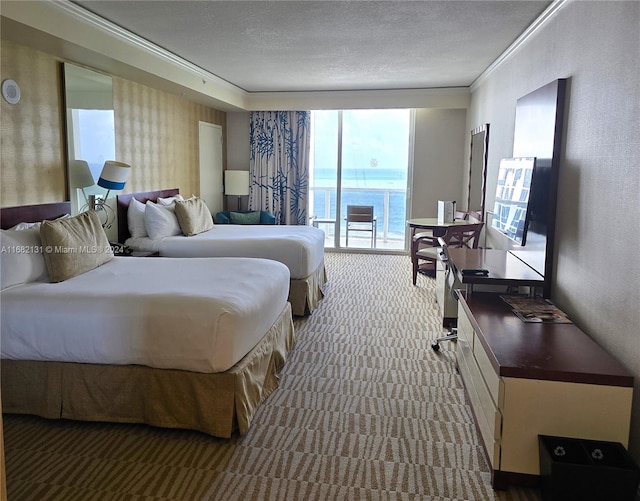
(300, 248)
(177, 343)
(199, 315)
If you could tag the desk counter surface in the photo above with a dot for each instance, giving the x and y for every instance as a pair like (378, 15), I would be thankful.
(429, 223)
(547, 351)
(504, 268)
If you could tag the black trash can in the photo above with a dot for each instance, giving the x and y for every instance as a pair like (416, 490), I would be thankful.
(586, 470)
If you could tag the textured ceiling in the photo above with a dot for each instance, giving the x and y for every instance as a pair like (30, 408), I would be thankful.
(289, 46)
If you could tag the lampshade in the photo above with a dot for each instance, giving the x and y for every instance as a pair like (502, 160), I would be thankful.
(114, 175)
(236, 182)
(80, 174)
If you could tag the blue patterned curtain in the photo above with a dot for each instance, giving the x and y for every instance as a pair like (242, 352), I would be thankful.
(279, 164)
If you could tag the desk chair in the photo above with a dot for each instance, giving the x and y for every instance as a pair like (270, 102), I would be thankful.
(361, 218)
(427, 242)
(425, 261)
(467, 235)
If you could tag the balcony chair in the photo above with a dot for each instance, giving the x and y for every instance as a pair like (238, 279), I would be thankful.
(361, 218)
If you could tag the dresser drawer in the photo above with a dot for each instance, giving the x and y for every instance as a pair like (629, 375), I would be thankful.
(488, 418)
(491, 378)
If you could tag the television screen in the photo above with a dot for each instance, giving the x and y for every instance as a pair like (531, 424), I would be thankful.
(512, 197)
(537, 226)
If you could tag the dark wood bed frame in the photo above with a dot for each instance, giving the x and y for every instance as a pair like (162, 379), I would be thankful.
(122, 206)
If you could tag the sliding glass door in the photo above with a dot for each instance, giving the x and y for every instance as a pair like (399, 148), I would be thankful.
(361, 158)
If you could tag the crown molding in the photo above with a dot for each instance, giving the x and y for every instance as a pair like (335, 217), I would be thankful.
(540, 22)
(75, 35)
(107, 27)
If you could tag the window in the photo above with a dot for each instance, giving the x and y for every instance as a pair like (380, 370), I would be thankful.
(360, 157)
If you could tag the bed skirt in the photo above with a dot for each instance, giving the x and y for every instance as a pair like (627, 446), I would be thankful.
(306, 293)
(216, 404)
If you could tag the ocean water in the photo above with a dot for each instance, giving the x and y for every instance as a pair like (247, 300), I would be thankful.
(364, 187)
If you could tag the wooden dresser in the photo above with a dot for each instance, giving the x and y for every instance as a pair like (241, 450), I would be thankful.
(525, 379)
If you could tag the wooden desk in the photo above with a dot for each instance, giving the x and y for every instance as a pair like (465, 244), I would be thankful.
(504, 268)
(431, 223)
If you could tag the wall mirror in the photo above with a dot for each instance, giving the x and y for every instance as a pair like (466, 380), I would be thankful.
(90, 131)
(478, 169)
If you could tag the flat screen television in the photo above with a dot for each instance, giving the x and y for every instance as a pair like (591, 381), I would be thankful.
(538, 133)
(513, 194)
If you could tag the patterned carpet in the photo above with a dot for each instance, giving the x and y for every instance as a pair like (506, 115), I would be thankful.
(365, 411)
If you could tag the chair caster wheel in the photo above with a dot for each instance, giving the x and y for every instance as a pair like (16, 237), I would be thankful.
(435, 346)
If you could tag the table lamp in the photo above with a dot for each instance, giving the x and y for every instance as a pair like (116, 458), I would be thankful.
(236, 183)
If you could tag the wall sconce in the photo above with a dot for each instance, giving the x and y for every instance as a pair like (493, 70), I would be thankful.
(80, 176)
(236, 183)
(114, 176)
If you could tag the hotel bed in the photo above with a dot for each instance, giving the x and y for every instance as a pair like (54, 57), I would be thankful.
(177, 343)
(300, 248)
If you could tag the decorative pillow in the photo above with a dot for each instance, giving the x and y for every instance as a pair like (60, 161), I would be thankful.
(193, 216)
(245, 218)
(161, 221)
(135, 219)
(21, 259)
(74, 246)
(169, 200)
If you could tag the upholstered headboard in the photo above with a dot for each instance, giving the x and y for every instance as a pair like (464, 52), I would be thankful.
(10, 216)
(122, 206)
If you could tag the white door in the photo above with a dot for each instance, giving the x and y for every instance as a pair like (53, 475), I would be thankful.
(211, 187)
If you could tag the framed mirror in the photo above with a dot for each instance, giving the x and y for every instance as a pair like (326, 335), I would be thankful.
(90, 131)
(478, 170)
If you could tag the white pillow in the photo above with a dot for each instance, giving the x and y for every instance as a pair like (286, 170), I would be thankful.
(169, 200)
(21, 259)
(135, 219)
(25, 226)
(161, 221)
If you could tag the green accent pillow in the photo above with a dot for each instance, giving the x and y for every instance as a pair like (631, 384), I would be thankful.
(245, 217)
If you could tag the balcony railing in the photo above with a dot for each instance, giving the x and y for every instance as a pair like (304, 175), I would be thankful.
(389, 207)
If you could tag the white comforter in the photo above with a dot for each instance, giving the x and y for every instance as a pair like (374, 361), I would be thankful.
(199, 315)
(300, 248)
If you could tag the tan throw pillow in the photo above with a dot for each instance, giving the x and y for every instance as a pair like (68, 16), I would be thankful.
(74, 246)
(194, 216)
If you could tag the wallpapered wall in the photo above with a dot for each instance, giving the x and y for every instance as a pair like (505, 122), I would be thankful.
(33, 166)
(156, 132)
